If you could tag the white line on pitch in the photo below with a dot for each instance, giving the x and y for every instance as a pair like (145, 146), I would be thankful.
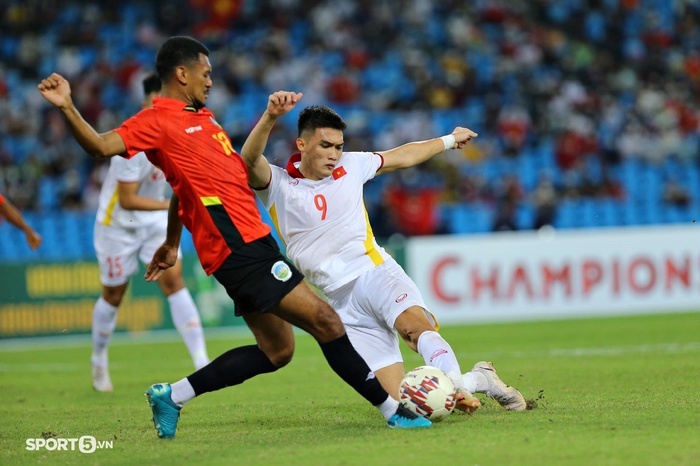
(670, 348)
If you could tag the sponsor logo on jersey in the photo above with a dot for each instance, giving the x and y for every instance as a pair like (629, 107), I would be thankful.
(192, 129)
(281, 271)
(401, 297)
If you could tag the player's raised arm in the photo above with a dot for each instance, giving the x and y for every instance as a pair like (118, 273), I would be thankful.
(56, 90)
(414, 153)
(278, 104)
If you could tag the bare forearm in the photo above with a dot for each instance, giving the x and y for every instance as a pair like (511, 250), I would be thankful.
(143, 203)
(13, 216)
(174, 232)
(254, 145)
(413, 153)
(89, 139)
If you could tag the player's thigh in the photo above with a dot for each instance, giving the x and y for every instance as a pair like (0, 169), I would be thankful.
(305, 309)
(274, 336)
(385, 293)
(116, 250)
(390, 377)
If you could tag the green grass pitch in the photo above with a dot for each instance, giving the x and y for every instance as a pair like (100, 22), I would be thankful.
(612, 391)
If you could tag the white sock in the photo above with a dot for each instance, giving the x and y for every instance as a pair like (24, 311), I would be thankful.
(438, 353)
(186, 319)
(389, 407)
(475, 382)
(104, 320)
(182, 392)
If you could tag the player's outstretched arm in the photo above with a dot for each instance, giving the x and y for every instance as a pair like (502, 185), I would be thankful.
(10, 212)
(278, 104)
(166, 255)
(56, 90)
(414, 153)
(129, 198)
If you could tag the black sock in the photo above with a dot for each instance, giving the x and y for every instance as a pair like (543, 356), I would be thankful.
(231, 368)
(349, 365)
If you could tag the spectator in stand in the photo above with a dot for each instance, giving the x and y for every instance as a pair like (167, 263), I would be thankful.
(544, 199)
(511, 194)
(675, 194)
(513, 129)
(415, 211)
(560, 60)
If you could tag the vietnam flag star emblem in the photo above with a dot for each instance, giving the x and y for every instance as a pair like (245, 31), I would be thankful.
(339, 172)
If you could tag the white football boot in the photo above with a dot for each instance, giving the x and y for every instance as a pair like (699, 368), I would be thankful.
(508, 397)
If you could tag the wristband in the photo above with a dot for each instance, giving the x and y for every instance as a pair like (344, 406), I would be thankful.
(449, 141)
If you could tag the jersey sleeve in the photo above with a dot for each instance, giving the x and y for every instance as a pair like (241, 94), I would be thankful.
(369, 163)
(131, 170)
(268, 195)
(140, 133)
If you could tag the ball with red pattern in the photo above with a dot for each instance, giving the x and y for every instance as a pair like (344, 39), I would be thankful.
(429, 392)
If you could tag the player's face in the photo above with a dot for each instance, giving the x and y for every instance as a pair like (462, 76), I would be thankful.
(199, 82)
(320, 152)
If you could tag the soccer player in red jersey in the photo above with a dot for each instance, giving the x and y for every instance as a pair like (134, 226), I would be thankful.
(213, 200)
(10, 212)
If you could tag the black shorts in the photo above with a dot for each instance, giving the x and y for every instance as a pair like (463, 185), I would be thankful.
(257, 276)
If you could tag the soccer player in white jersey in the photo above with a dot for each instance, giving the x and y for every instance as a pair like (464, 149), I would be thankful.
(317, 206)
(131, 223)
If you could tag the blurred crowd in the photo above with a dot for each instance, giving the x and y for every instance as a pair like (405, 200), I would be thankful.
(564, 94)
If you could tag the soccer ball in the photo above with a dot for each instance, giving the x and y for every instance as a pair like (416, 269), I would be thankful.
(429, 392)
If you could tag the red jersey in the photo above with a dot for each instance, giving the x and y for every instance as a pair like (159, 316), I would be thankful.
(2, 199)
(209, 177)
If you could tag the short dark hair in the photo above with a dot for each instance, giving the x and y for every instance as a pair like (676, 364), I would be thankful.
(319, 116)
(151, 83)
(177, 51)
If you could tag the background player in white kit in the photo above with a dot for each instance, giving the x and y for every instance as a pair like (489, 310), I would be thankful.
(130, 225)
(317, 206)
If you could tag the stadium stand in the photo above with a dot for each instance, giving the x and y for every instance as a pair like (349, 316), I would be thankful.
(599, 97)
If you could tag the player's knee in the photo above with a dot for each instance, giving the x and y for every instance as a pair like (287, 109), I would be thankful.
(171, 285)
(327, 322)
(113, 296)
(282, 356)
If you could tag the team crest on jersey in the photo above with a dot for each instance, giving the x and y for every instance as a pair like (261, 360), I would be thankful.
(281, 271)
(214, 121)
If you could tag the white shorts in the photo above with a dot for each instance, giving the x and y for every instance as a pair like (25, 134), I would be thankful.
(369, 307)
(119, 249)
